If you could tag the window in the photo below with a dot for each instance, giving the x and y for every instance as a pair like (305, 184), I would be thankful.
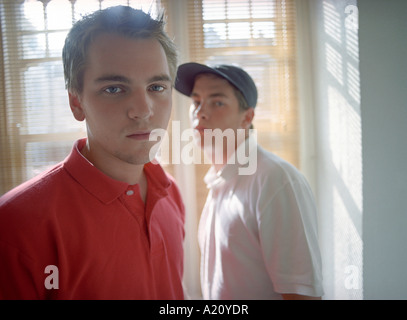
(259, 36)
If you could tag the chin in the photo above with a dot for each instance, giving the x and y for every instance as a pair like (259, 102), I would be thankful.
(137, 158)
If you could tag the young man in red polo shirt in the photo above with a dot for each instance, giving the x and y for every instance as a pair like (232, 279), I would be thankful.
(106, 223)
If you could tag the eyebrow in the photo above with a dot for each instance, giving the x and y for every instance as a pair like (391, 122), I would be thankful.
(161, 77)
(123, 79)
(113, 78)
(213, 95)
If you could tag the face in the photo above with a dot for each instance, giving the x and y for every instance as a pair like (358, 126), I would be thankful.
(126, 94)
(215, 106)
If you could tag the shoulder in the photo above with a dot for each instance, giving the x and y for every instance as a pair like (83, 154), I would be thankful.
(276, 172)
(33, 188)
(277, 182)
(30, 201)
(26, 212)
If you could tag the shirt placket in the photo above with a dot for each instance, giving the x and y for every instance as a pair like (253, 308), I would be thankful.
(135, 205)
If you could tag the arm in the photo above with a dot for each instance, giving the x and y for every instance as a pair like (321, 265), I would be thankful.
(290, 243)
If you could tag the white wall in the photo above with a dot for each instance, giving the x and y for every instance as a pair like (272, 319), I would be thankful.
(355, 74)
(383, 69)
(328, 47)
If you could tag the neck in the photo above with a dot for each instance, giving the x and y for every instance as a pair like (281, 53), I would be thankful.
(114, 167)
(220, 157)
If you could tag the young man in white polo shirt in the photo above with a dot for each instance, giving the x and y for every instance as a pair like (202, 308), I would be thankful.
(258, 229)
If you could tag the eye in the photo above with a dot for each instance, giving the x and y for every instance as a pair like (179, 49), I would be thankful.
(157, 88)
(113, 90)
(218, 103)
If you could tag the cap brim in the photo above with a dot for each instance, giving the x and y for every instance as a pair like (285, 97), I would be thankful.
(186, 74)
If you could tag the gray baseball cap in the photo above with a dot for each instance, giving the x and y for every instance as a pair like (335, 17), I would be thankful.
(239, 78)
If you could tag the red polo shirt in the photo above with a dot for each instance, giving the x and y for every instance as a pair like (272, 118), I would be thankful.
(97, 232)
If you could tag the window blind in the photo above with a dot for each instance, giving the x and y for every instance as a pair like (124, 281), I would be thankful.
(259, 36)
(37, 127)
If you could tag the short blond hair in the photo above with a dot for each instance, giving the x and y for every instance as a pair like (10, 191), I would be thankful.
(122, 20)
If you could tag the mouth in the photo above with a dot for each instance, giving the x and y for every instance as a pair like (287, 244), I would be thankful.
(200, 129)
(140, 135)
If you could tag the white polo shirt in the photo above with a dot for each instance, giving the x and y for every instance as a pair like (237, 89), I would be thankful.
(258, 233)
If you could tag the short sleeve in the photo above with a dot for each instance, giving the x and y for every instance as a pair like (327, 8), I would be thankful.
(288, 236)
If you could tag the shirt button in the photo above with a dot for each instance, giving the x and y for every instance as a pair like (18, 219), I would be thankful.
(129, 192)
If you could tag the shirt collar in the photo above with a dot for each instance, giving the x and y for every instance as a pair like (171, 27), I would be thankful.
(231, 169)
(102, 186)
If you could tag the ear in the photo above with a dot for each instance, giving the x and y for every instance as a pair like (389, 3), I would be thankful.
(76, 106)
(247, 118)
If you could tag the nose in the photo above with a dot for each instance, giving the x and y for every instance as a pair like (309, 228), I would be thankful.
(199, 112)
(140, 106)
